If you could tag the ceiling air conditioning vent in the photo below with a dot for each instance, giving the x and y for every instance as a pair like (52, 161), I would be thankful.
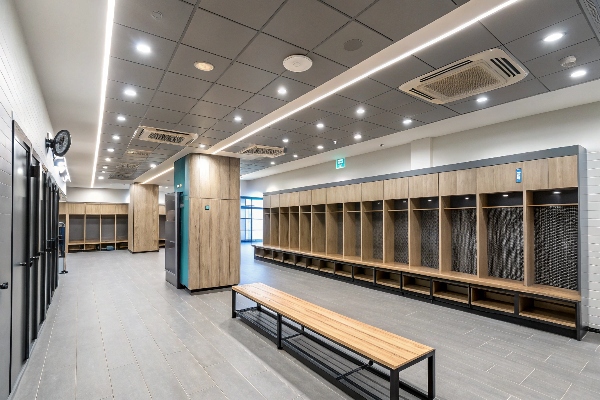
(473, 75)
(158, 135)
(591, 9)
(259, 151)
(123, 171)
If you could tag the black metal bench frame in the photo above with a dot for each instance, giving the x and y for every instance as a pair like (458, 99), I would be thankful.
(394, 374)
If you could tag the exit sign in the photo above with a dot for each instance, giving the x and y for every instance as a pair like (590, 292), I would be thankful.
(340, 163)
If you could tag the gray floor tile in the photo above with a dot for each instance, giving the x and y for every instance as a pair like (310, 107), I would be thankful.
(192, 377)
(128, 383)
(212, 393)
(232, 383)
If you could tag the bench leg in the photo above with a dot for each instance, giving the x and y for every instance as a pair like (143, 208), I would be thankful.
(394, 384)
(431, 377)
(233, 313)
(279, 332)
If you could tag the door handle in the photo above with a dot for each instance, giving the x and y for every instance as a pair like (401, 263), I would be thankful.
(35, 257)
(22, 264)
(4, 285)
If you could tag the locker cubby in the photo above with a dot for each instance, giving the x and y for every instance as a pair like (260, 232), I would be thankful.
(427, 228)
(460, 213)
(363, 273)
(314, 263)
(274, 239)
(318, 234)
(92, 229)
(302, 261)
(277, 256)
(352, 230)
(289, 258)
(76, 229)
(451, 291)
(121, 228)
(107, 228)
(372, 230)
(305, 228)
(416, 284)
(395, 246)
(385, 278)
(335, 229)
(294, 227)
(259, 252)
(284, 227)
(344, 270)
(268, 254)
(557, 312)
(493, 300)
(328, 267)
(267, 227)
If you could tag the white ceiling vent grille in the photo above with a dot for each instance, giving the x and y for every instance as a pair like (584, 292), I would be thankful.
(158, 135)
(259, 151)
(473, 75)
(591, 8)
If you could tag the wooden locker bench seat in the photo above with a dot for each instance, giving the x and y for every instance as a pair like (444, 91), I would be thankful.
(291, 321)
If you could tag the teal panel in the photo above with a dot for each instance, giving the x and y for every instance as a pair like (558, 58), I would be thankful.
(180, 178)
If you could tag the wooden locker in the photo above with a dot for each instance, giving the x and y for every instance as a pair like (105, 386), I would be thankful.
(423, 186)
(395, 188)
(563, 172)
(372, 191)
(319, 196)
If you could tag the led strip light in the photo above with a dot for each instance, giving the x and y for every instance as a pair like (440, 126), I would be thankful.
(157, 175)
(374, 70)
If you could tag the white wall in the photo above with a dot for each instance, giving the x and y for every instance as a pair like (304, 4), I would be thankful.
(87, 195)
(20, 94)
(572, 126)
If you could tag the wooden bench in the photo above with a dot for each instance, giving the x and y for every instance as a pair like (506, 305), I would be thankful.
(276, 310)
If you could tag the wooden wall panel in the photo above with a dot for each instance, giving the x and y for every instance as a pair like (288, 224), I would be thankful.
(562, 172)
(284, 200)
(319, 196)
(423, 186)
(267, 202)
(233, 177)
(294, 200)
(372, 191)
(395, 188)
(305, 197)
(448, 183)
(275, 201)
(485, 180)
(93, 209)
(351, 193)
(535, 174)
(63, 207)
(334, 195)
(466, 181)
(213, 177)
(108, 209)
(76, 208)
(121, 208)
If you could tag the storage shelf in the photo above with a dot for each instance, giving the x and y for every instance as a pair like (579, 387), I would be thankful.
(555, 317)
(426, 209)
(389, 282)
(495, 305)
(398, 210)
(454, 296)
(487, 207)
(460, 208)
(553, 205)
(416, 288)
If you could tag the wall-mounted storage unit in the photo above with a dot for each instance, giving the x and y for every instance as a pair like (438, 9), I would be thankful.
(500, 235)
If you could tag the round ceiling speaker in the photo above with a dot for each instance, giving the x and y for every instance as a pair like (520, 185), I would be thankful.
(353, 45)
(568, 61)
(297, 63)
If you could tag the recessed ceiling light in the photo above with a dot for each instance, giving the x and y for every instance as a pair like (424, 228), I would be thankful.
(295, 155)
(100, 177)
(202, 146)
(578, 73)
(360, 111)
(103, 172)
(116, 137)
(121, 118)
(104, 167)
(272, 162)
(482, 99)
(143, 48)
(557, 192)
(111, 150)
(407, 121)
(320, 147)
(285, 140)
(320, 125)
(152, 165)
(130, 92)
(107, 159)
(237, 118)
(504, 195)
(282, 90)
(357, 136)
(204, 66)
(554, 37)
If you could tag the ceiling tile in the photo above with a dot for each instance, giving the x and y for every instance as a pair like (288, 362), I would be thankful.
(351, 112)
(252, 13)
(115, 90)
(173, 102)
(262, 104)
(563, 78)
(123, 138)
(130, 120)
(334, 103)
(370, 43)
(390, 100)
(438, 114)
(576, 30)
(293, 138)
(125, 40)
(216, 134)
(294, 89)
(310, 115)
(288, 124)
(134, 74)
(158, 124)
(321, 71)
(401, 72)
(585, 52)
(351, 8)
(364, 90)
(412, 109)
(270, 132)
(380, 131)
(111, 129)
(246, 78)
(266, 52)
(312, 130)
(217, 35)
(336, 134)
(190, 129)
(125, 107)
(211, 110)
(208, 141)
(311, 143)
(358, 126)
(524, 17)
(160, 114)
(184, 85)
(228, 126)
(185, 57)
(305, 23)
(248, 117)
(199, 121)
(137, 14)
(336, 121)
(399, 18)
(266, 141)
(465, 43)
(517, 91)
(226, 96)
(389, 120)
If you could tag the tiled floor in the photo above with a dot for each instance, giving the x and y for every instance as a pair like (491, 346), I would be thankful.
(116, 329)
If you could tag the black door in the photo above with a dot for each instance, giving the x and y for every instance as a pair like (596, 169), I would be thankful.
(20, 260)
(42, 305)
(33, 239)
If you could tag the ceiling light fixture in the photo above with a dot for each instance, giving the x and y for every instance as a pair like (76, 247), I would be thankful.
(360, 111)
(282, 90)
(103, 172)
(466, 198)
(204, 66)
(320, 125)
(111, 150)
(237, 118)
(100, 177)
(554, 37)
(471, 7)
(110, 14)
(358, 136)
(104, 167)
(320, 147)
(130, 92)
(578, 73)
(504, 195)
(295, 155)
(116, 137)
(202, 146)
(152, 165)
(107, 159)
(272, 162)
(285, 140)
(407, 121)
(143, 48)
(557, 192)
(482, 99)
(157, 175)
(121, 118)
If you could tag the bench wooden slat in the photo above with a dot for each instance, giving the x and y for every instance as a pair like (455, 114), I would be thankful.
(386, 348)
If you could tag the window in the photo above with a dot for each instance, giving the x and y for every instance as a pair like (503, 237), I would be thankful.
(251, 219)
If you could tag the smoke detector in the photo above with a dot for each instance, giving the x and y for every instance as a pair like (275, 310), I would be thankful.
(489, 70)
(568, 62)
(297, 63)
(167, 136)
